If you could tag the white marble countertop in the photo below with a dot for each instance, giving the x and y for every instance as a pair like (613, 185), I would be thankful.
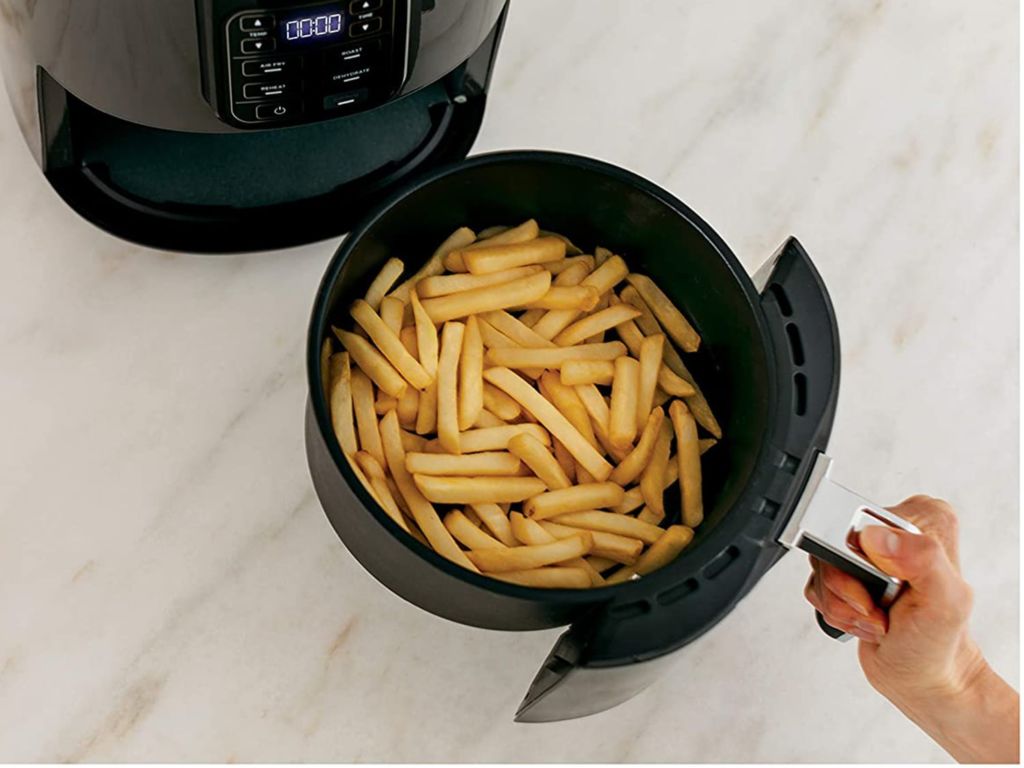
(169, 587)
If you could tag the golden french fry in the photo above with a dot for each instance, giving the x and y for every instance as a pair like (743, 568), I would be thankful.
(520, 334)
(662, 552)
(581, 297)
(550, 419)
(496, 438)
(578, 498)
(648, 515)
(467, 534)
(570, 249)
(500, 404)
(375, 473)
(629, 468)
(471, 374)
(372, 362)
(667, 380)
(568, 403)
(582, 476)
(385, 403)
(604, 278)
(528, 557)
(530, 533)
(525, 232)
(674, 385)
(382, 283)
(650, 366)
(631, 502)
(426, 417)
(601, 564)
(426, 336)
(558, 577)
(537, 457)
(392, 312)
(460, 238)
(423, 511)
(595, 404)
(408, 408)
(575, 372)
(496, 521)
(444, 285)
(489, 232)
(601, 255)
(341, 403)
(596, 323)
(609, 522)
(552, 359)
(477, 490)
(366, 417)
(559, 268)
(453, 263)
(497, 258)
(492, 336)
(688, 457)
(409, 341)
(652, 479)
(528, 318)
(488, 463)
(325, 367)
(411, 442)
(676, 326)
(514, 293)
(357, 470)
(389, 344)
(488, 419)
(621, 549)
(622, 424)
(447, 386)
(565, 460)
(472, 516)
(706, 443)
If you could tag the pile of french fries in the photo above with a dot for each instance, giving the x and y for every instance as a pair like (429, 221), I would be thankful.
(521, 408)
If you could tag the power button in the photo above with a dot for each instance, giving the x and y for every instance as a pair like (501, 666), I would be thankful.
(279, 111)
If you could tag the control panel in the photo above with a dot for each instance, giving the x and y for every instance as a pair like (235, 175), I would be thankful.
(300, 64)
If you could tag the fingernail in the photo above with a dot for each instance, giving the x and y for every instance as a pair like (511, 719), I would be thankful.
(881, 538)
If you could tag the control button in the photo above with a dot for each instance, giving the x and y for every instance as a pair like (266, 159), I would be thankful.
(271, 67)
(268, 90)
(256, 23)
(365, 27)
(350, 78)
(355, 55)
(261, 45)
(276, 111)
(342, 100)
(364, 6)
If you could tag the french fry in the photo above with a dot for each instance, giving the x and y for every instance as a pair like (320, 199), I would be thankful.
(444, 285)
(387, 341)
(392, 312)
(385, 403)
(423, 511)
(528, 318)
(596, 323)
(688, 456)
(467, 534)
(525, 232)
(650, 366)
(600, 564)
(460, 238)
(621, 549)
(648, 515)
(652, 479)
(372, 363)
(575, 372)
(447, 386)
(520, 334)
(530, 533)
(674, 385)
(341, 403)
(529, 557)
(426, 417)
(500, 463)
(514, 293)
(582, 476)
(601, 255)
(497, 258)
(579, 297)
(409, 341)
(408, 408)
(496, 438)
(565, 460)
(471, 375)
(488, 419)
(558, 268)
(426, 336)
(550, 419)
(568, 403)
(570, 249)
(500, 404)
(676, 326)
(552, 359)
(578, 498)
(667, 380)
(497, 522)
(472, 516)
(595, 404)
(706, 444)
(609, 522)
(629, 468)
(375, 473)
(662, 552)
(489, 232)
(558, 577)
(412, 442)
(477, 490)
(622, 424)
(366, 417)
(537, 457)
(604, 278)
(363, 479)
(491, 336)
(325, 367)
(382, 283)
(453, 263)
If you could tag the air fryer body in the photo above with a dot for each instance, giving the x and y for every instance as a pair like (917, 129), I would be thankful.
(161, 120)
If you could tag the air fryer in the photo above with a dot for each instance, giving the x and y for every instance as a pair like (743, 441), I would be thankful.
(233, 125)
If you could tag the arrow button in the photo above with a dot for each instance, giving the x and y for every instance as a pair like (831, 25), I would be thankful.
(265, 45)
(252, 23)
(362, 6)
(366, 27)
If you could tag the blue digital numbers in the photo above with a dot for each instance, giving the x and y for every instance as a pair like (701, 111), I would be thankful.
(316, 26)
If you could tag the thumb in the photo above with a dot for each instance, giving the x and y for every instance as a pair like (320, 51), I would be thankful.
(918, 559)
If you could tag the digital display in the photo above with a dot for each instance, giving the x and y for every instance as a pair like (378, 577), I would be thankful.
(323, 24)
